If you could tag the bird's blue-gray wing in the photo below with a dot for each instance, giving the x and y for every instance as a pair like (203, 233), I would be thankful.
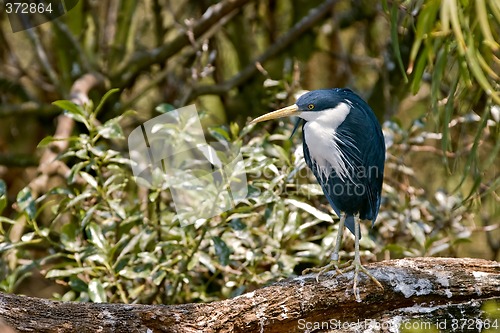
(349, 222)
(363, 130)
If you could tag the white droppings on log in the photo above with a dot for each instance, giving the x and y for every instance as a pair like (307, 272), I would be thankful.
(248, 295)
(285, 311)
(443, 279)
(422, 309)
(480, 275)
(260, 306)
(329, 281)
(403, 282)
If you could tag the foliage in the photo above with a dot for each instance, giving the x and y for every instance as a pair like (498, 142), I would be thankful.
(428, 69)
(104, 239)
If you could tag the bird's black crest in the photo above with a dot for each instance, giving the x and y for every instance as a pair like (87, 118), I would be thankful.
(325, 99)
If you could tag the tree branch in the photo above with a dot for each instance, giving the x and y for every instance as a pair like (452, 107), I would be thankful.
(144, 59)
(418, 288)
(49, 165)
(291, 36)
(28, 108)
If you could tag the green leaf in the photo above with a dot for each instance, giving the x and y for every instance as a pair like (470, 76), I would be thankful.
(79, 198)
(235, 129)
(221, 250)
(103, 100)
(311, 210)
(46, 141)
(131, 244)
(482, 16)
(77, 284)
(220, 134)
(73, 111)
(117, 208)
(281, 153)
(419, 70)
(88, 215)
(477, 72)
(49, 139)
(134, 273)
(3, 196)
(417, 232)
(89, 179)
(111, 130)
(75, 169)
(158, 277)
(96, 236)
(70, 107)
(395, 40)
(26, 203)
(425, 23)
(62, 273)
(165, 107)
(237, 224)
(69, 234)
(96, 292)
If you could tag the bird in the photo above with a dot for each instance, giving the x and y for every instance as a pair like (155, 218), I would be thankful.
(344, 147)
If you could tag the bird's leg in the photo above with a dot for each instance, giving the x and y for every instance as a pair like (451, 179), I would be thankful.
(335, 255)
(356, 265)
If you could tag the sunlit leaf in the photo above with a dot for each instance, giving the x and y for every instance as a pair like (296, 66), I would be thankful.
(111, 130)
(417, 233)
(62, 273)
(96, 291)
(96, 236)
(310, 209)
(89, 179)
(221, 250)
(26, 202)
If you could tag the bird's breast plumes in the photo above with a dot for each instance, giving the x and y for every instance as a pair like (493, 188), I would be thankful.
(320, 133)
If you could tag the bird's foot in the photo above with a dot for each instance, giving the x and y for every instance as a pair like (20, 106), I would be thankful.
(356, 266)
(339, 268)
(344, 268)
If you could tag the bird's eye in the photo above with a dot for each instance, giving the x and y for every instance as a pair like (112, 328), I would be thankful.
(310, 106)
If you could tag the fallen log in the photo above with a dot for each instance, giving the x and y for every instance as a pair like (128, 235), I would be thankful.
(444, 293)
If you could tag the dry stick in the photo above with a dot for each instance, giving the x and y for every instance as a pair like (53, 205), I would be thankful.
(142, 60)
(49, 165)
(291, 36)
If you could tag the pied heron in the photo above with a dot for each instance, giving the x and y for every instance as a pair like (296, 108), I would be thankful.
(344, 147)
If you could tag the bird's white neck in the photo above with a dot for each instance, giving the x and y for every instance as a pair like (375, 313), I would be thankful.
(320, 133)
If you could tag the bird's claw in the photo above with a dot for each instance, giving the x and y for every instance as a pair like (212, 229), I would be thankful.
(341, 269)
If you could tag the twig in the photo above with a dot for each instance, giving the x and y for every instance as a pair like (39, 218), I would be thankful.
(28, 108)
(42, 57)
(144, 59)
(18, 160)
(295, 32)
(49, 165)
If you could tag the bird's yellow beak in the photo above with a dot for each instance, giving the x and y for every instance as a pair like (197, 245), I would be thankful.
(292, 110)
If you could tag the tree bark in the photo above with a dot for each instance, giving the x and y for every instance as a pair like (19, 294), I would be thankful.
(438, 291)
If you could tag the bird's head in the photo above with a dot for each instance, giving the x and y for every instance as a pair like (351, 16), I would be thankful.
(313, 101)
(310, 105)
